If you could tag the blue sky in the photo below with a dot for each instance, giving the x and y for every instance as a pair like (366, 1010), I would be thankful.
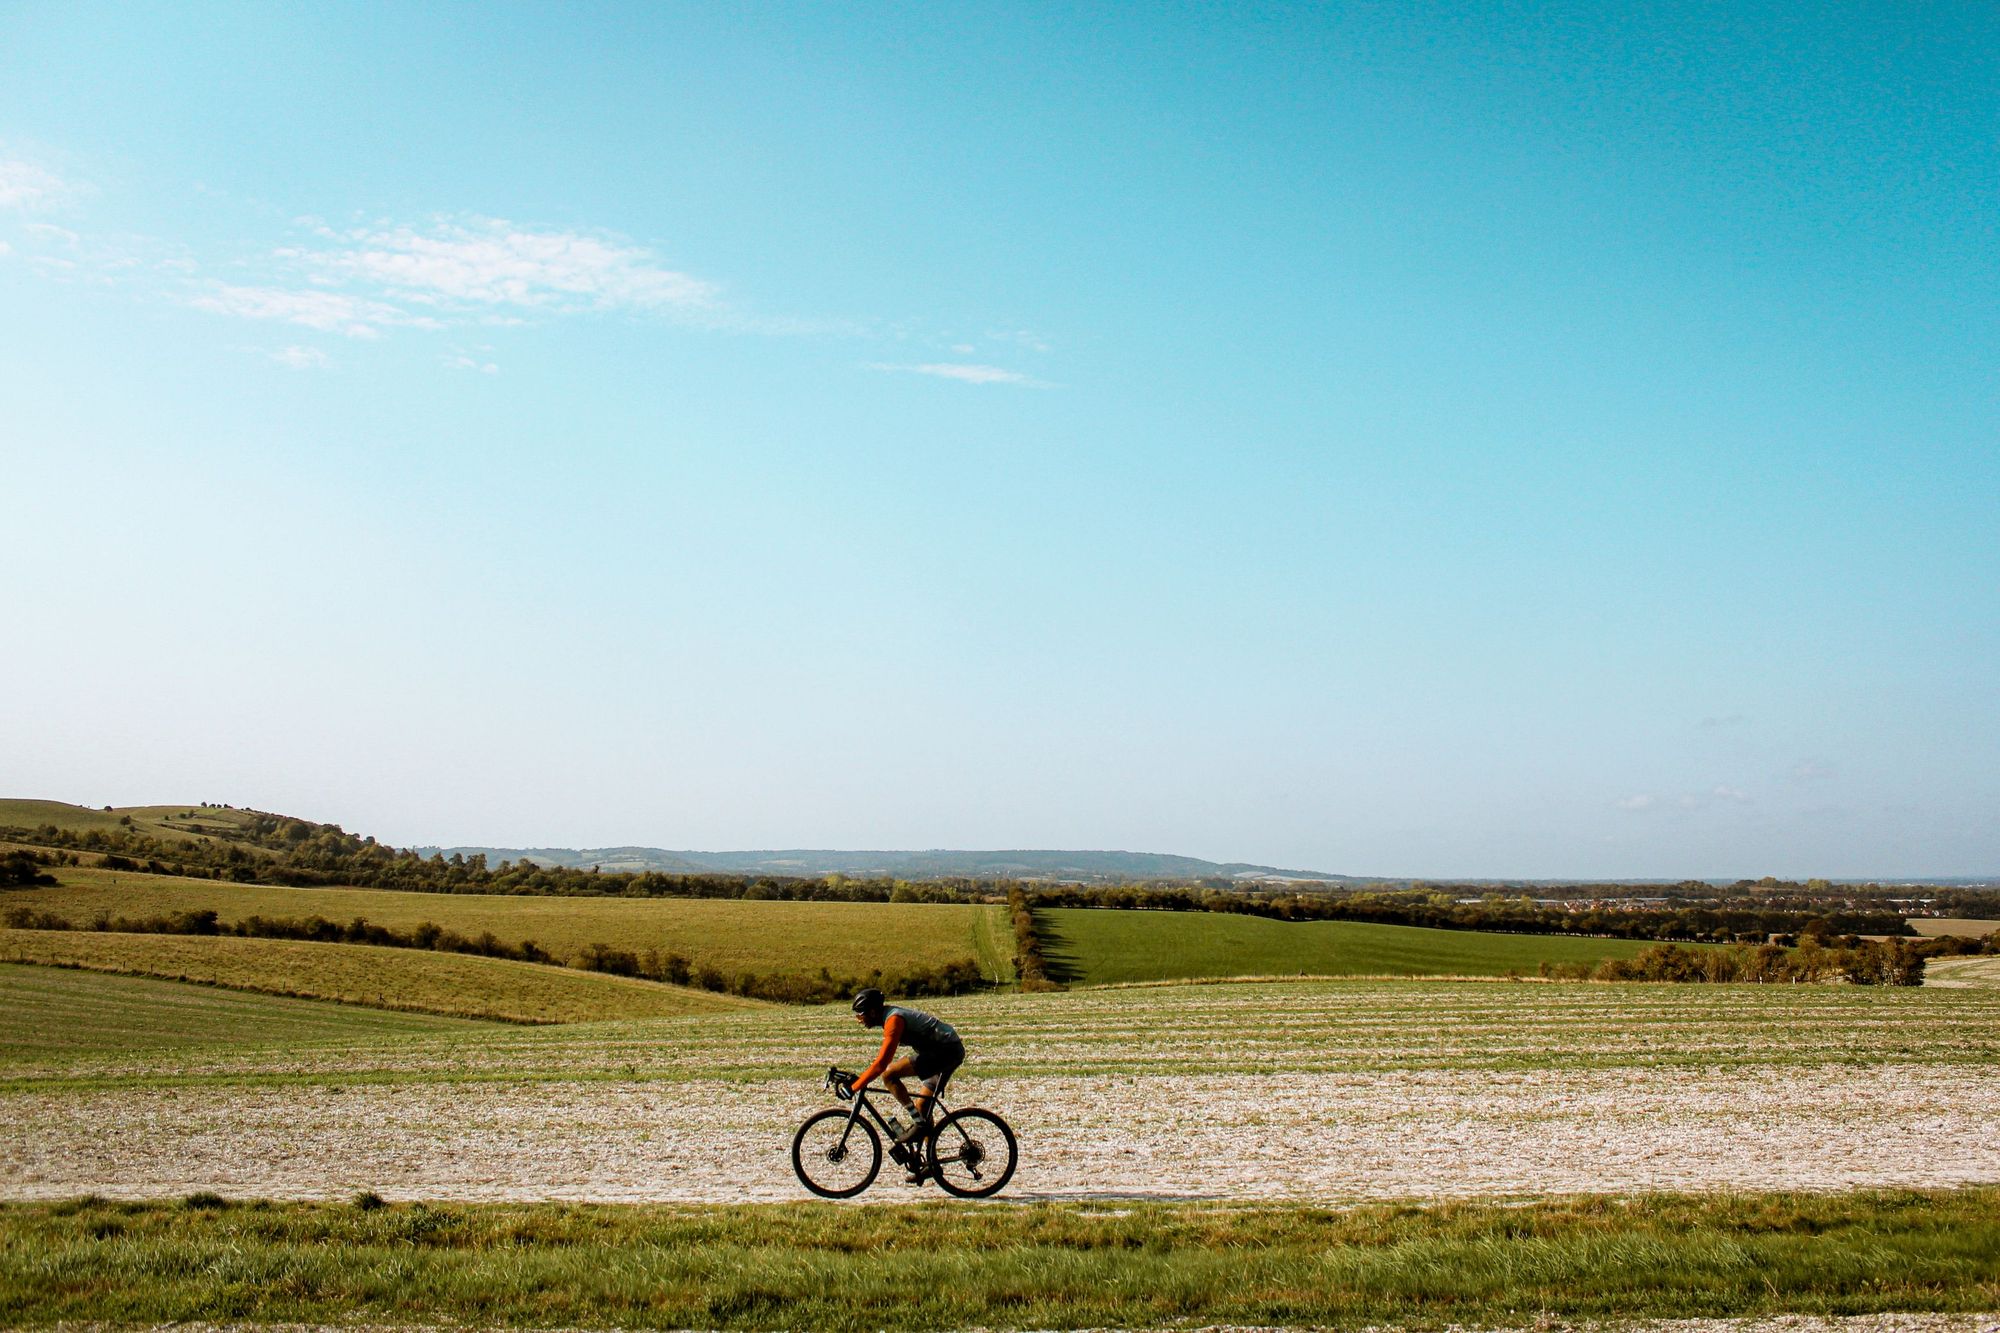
(1496, 440)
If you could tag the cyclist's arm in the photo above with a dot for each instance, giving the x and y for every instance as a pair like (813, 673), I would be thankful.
(892, 1036)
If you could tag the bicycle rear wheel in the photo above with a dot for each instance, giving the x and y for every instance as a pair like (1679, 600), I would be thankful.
(972, 1153)
(833, 1161)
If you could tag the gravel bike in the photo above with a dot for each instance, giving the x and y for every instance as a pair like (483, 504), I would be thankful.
(970, 1153)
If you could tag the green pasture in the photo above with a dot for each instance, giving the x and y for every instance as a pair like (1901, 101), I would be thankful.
(732, 935)
(170, 822)
(1098, 946)
(415, 980)
(46, 1010)
(998, 1266)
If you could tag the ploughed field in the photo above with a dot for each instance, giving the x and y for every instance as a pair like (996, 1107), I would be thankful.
(1328, 1091)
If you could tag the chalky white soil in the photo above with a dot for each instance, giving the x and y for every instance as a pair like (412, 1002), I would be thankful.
(1333, 1092)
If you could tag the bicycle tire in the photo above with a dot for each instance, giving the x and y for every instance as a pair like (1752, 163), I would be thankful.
(823, 1145)
(976, 1131)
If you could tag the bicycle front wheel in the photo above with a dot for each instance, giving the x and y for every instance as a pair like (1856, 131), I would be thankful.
(972, 1153)
(834, 1161)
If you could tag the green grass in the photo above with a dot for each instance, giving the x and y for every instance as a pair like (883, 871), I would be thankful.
(733, 935)
(1100, 947)
(1040, 1266)
(170, 822)
(47, 1010)
(415, 980)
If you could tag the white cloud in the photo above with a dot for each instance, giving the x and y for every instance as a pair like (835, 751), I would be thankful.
(460, 361)
(300, 358)
(1809, 771)
(1027, 338)
(43, 231)
(1722, 793)
(489, 262)
(965, 373)
(24, 185)
(330, 312)
(1639, 802)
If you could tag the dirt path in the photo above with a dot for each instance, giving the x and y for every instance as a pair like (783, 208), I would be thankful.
(1394, 1134)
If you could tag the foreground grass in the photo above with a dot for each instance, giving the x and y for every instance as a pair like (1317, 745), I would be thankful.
(1099, 946)
(733, 935)
(1042, 1266)
(410, 980)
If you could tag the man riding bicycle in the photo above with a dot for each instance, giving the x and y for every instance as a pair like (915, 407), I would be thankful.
(939, 1053)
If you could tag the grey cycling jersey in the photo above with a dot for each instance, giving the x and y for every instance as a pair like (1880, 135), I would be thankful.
(926, 1032)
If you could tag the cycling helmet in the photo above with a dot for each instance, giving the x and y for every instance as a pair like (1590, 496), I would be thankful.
(868, 1001)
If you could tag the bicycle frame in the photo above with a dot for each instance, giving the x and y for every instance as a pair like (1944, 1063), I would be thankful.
(861, 1103)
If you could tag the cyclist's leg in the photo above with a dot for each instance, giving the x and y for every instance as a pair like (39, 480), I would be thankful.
(936, 1072)
(892, 1079)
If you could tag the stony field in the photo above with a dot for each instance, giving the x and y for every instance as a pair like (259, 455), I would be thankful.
(1326, 1091)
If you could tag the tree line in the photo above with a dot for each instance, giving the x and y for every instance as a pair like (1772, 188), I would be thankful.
(1896, 962)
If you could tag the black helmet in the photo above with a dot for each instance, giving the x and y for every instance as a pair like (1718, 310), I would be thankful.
(868, 1001)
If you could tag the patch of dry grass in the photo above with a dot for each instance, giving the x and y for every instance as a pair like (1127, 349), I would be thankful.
(413, 980)
(731, 935)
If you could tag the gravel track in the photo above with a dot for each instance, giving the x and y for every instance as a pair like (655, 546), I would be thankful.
(1423, 1134)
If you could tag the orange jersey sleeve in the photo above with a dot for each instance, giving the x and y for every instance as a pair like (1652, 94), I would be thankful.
(892, 1037)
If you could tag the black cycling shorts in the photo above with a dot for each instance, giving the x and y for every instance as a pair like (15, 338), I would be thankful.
(936, 1065)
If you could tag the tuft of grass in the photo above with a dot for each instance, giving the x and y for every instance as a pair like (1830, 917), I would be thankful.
(1040, 1265)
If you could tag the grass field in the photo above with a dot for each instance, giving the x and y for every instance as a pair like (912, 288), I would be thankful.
(170, 822)
(1933, 926)
(819, 1266)
(1100, 947)
(415, 980)
(46, 1011)
(732, 935)
(1984, 971)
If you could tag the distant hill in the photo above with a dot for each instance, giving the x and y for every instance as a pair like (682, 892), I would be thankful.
(1067, 866)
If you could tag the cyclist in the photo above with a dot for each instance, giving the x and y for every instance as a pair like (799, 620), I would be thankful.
(939, 1053)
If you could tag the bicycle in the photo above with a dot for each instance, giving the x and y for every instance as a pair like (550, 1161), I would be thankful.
(970, 1153)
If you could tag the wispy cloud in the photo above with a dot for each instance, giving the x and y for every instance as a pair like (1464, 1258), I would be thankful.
(1724, 793)
(329, 312)
(1811, 771)
(491, 262)
(300, 358)
(965, 373)
(25, 186)
(1717, 721)
(460, 361)
(1027, 338)
(1641, 801)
